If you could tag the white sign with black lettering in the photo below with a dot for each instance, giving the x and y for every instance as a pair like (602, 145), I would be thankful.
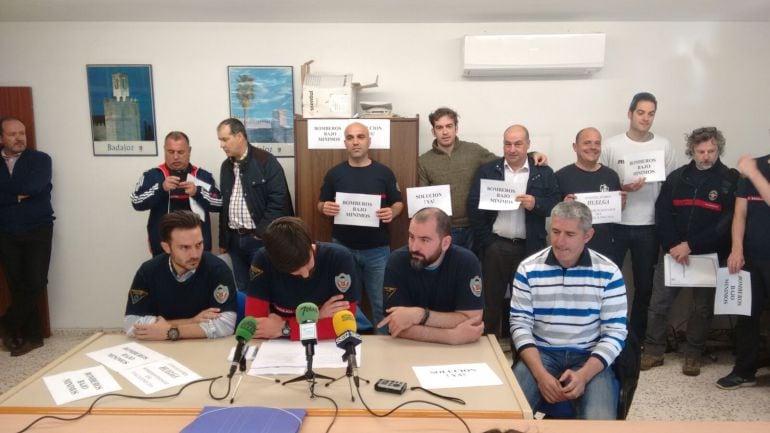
(429, 196)
(125, 356)
(606, 207)
(357, 209)
(649, 165)
(330, 133)
(79, 384)
(497, 195)
(700, 271)
(733, 294)
(456, 376)
(159, 375)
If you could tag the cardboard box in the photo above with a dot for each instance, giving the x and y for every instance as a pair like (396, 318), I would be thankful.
(330, 95)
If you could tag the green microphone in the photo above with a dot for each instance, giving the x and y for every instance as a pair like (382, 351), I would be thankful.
(307, 316)
(243, 333)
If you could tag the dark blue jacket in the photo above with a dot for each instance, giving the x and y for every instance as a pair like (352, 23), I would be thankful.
(31, 177)
(542, 184)
(265, 188)
(700, 214)
(149, 194)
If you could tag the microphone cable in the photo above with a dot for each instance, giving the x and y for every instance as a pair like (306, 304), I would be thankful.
(358, 391)
(136, 397)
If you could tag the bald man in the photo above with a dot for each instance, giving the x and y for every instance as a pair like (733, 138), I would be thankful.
(506, 237)
(587, 174)
(370, 245)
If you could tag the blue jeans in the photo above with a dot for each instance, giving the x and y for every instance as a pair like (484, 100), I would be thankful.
(370, 268)
(242, 249)
(662, 299)
(643, 243)
(600, 399)
(463, 236)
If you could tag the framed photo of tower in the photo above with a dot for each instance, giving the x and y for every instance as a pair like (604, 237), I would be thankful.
(122, 110)
(262, 97)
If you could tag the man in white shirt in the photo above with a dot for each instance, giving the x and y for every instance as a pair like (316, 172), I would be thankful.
(636, 231)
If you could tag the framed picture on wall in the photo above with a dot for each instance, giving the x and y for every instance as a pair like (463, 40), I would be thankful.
(122, 110)
(262, 97)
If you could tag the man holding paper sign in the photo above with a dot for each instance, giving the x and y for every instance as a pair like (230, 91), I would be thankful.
(588, 177)
(693, 212)
(636, 231)
(504, 238)
(750, 240)
(370, 245)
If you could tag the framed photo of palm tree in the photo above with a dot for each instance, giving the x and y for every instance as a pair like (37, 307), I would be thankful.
(262, 97)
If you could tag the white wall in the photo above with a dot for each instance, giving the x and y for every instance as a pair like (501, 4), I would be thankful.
(702, 74)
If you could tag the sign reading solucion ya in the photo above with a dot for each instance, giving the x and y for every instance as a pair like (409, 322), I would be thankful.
(330, 133)
(438, 196)
(122, 110)
(262, 97)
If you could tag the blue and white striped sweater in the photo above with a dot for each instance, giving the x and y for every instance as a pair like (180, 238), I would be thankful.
(582, 308)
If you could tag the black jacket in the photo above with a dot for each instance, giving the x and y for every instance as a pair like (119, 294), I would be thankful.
(265, 188)
(701, 213)
(542, 184)
(31, 177)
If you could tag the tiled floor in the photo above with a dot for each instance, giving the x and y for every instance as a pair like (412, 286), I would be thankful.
(664, 393)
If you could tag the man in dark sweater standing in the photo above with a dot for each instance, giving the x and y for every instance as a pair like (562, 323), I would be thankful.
(26, 229)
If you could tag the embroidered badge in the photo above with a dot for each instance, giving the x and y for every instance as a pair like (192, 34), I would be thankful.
(713, 194)
(221, 293)
(136, 295)
(476, 286)
(389, 291)
(254, 272)
(604, 188)
(342, 281)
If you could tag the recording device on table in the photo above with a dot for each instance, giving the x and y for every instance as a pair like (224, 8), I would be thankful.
(344, 323)
(390, 386)
(307, 316)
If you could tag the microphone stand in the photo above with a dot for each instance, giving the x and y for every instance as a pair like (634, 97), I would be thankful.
(309, 375)
(242, 373)
(351, 372)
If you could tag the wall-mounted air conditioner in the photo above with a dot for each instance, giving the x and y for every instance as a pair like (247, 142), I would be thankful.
(533, 55)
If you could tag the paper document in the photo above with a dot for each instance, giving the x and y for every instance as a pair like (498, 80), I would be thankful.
(285, 353)
(330, 133)
(649, 165)
(247, 419)
(456, 376)
(75, 385)
(429, 196)
(159, 375)
(701, 272)
(358, 209)
(498, 195)
(606, 207)
(733, 295)
(125, 356)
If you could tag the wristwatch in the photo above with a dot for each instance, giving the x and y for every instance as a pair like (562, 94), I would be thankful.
(173, 333)
(286, 330)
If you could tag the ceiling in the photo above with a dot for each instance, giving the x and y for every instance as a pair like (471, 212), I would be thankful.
(383, 11)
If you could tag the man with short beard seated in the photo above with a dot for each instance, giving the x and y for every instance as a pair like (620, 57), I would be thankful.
(432, 288)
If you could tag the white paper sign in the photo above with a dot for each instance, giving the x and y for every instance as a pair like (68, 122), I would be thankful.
(429, 196)
(79, 384)
(456, 376)
(606, 207)
(285, 353)
(357, 209)
(701, 272)
(498, 195)
(733, 295)
(125, 356)
(159, 375)
(330, 133)
(649, 165)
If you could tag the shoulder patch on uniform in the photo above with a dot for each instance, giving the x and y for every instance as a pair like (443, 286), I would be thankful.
(342, 281)
(389, 291)
(136, 295)
(254, 272)
(475, 285)
(221, 294)
(713, 195)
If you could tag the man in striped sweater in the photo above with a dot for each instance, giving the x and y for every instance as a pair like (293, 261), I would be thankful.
(568, 319)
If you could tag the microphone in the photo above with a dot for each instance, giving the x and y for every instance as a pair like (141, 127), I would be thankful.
(243, 333)
(347, 338)
(307, 316)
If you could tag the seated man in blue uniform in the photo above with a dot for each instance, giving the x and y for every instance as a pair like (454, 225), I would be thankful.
(290, 270)
(433, 287)
(183, 293)
(568, 319)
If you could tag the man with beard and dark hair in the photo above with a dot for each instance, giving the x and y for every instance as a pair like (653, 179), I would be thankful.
(433, 288)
